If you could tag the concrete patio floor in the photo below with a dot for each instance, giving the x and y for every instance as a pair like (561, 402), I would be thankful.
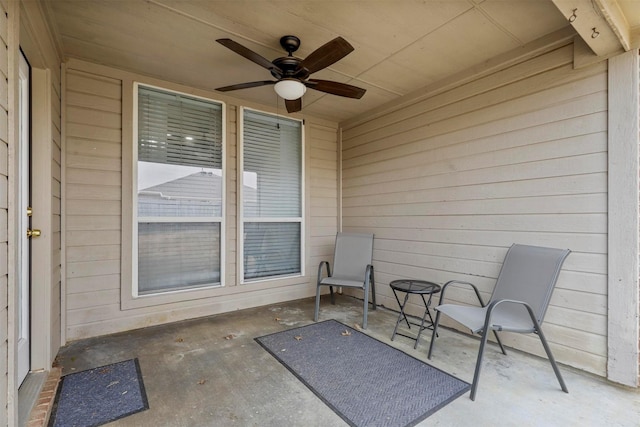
(210, 372)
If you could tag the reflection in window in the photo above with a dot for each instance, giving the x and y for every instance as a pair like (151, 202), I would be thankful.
(179, 192)
(271, 196)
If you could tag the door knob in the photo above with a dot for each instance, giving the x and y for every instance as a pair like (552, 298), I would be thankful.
(33, 233)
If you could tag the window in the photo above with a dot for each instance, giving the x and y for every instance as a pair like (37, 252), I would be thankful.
(272, 208)
(180, 186)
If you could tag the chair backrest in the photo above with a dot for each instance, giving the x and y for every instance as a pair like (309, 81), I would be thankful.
(529, 274)
(352, 254)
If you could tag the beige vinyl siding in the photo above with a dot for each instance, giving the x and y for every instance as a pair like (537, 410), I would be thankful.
(4, 214)
(448, 183)
(323, 206)
(96, 168)
(93, 194)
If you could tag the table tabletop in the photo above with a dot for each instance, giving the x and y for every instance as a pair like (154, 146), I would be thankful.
(413, 286)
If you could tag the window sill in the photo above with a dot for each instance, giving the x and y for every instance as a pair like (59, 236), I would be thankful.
(128, 302)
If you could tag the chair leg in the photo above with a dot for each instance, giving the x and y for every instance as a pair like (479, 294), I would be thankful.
(433, 336)
(554, 365)
(373, 290)
(476, 374)
(333, 299)
(366, 307)
(495, 333)
(315, 316)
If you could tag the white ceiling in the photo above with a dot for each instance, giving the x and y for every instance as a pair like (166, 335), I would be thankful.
(400, 45)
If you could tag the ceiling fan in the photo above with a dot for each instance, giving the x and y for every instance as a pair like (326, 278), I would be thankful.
(293, 73)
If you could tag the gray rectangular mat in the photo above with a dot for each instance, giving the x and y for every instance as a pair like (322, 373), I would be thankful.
(100, 395)
(365, 381)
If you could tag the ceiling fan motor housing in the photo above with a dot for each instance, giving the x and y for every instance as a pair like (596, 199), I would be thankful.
(290, 43)
(290, 66)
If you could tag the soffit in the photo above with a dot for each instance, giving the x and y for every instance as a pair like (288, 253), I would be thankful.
(400, 46)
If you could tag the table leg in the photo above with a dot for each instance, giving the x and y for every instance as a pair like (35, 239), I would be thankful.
(428, 304)
(402, 306)
(424, 316)
(401, 315)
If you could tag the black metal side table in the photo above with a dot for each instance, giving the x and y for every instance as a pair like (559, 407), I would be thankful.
(418, 287)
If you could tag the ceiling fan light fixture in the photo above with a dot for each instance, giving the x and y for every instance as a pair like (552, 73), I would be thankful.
(290, 89)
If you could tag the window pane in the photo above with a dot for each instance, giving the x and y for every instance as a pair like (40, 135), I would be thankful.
(272, 158)
(179, 155)
(177, 129)
(271, 249)
(179, 175)
(177, 256)
(178, 191)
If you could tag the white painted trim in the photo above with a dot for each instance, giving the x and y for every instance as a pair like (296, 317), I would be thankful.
(239, 197)
(590, 24)
(611, 12)
(127, 248)
(13, 14)
(276, 219)
(623, 229)
(130, 298)
(63, 204)
(240, 216)
(24, 148)
(212, 219)
(339, 177)
(41, 255)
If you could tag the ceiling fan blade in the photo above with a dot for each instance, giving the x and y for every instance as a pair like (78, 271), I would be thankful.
(335, 88)
(246, 85)
(327, 54)
(294, 105)
(249, 54)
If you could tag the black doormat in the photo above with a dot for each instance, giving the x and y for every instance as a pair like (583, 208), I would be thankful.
(100, 395)
(365, 381)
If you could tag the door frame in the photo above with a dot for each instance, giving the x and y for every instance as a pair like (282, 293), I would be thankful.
(43, 345)
(34, 38)
(24, 199)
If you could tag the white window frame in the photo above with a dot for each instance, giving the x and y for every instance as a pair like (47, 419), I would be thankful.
(241, 218)
(187, 292)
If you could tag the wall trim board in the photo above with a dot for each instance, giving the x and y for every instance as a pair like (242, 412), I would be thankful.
(623, 238)
(10, 365)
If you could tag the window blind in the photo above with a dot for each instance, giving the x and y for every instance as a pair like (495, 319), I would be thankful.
(272, 153)
(173, 256)
(271, 195)
(271, 249)
(180, 182)
(177, 129)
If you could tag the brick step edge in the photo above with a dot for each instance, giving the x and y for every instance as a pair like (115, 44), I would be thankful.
(41, 412)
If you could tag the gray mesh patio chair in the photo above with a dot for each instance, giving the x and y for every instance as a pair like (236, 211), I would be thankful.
(518, 303)
(352, 268)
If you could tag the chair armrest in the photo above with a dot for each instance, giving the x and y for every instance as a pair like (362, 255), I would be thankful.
(326, 264)
(460, 282)
(496, 303)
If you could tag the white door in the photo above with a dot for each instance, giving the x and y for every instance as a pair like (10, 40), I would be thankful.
(24, 200)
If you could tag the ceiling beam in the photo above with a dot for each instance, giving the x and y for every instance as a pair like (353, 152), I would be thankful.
(600, 23)
(617, 21)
